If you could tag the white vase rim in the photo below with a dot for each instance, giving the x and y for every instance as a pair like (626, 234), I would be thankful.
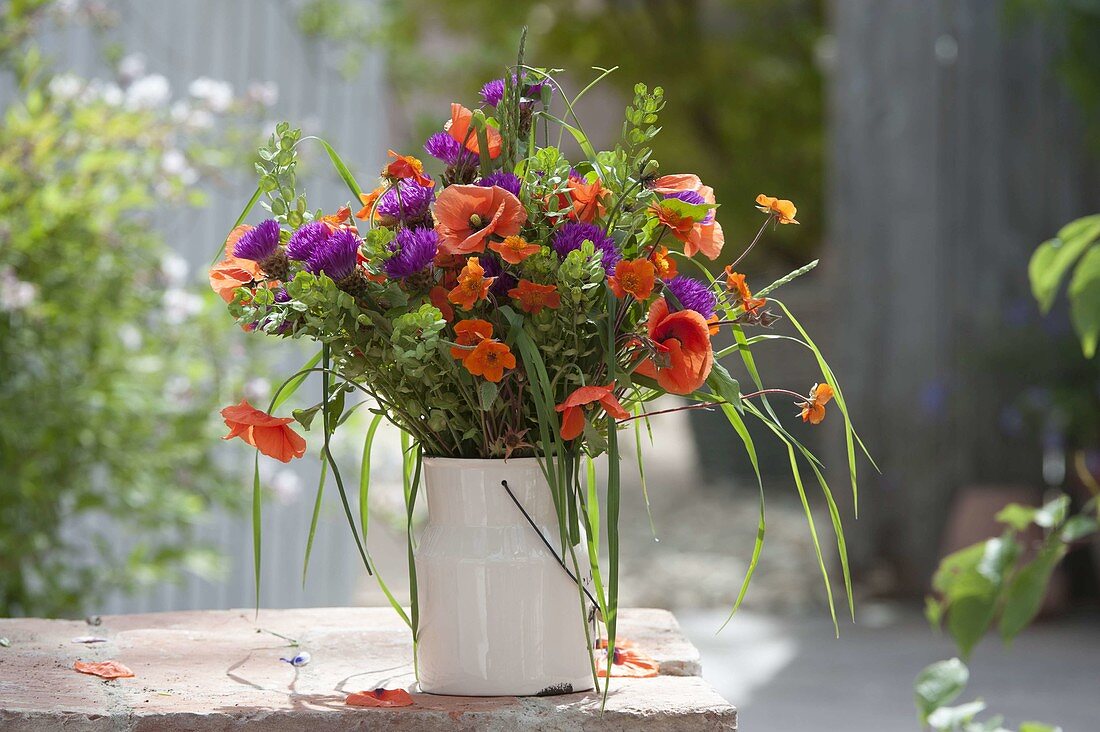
(472, 462)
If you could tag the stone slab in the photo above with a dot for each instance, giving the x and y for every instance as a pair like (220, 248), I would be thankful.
(220, 670)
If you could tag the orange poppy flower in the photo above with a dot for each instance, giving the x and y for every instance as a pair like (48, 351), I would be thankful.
(586, 198)
(629, 662)
(683, 338)
(438, 297)
(533, 298)
(707, 238)
(380, 698)
(334, 221)
(813, 409)
(368, 200)
(104, 669)
(467, 215)
(633, 277)
(663, 263)
(270, 435)
(735, 282)
(514, 249)
(233, 272)
(490, 359)
(572, 409)
(470, 333)
(781, 208)
(472, 286)
(406, 166)
(459, 127)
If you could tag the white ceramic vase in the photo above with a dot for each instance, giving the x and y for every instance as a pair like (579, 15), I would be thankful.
(498, 614)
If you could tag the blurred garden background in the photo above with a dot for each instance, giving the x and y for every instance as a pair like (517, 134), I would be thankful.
(931, 147)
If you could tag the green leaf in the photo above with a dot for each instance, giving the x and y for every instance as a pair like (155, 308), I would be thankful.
(313, 519)
(1025, 593)
(341, 168)
(1017, 516)
(291, 385)
(933, 611)
(1084, 301)
(257, 505)
(1053, 512)
(305, 417)
(364, 476)
(724, 385)
(487, 394)
(1078, 527)
(1053, 258)
(939, 684)
(1038, 727)
(950, 719)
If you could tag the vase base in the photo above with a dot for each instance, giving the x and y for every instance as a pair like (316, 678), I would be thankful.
(492, 690)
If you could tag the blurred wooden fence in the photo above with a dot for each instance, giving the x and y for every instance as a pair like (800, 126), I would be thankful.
(954, 152)
(242, 42)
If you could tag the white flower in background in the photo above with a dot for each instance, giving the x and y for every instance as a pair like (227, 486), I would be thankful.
(148, 92)
(180, 111)
(132, 66)
(65, 87)
(286, 485)
(15, 294)
(130, 337)
(218, 95)
(257, 390)
(112, 95)
(173, 162)
(180, 305)
(98, 91)
(200, 119)
(175, 269)
(177, 391)
(265, 93)
(67, 7)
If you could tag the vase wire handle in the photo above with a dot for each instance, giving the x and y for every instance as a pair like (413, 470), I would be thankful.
(549, 546)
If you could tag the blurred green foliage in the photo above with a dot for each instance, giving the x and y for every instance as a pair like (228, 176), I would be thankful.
(744, 94)
(111, 366)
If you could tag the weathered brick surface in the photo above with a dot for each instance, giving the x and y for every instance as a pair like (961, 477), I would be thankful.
(218, 670)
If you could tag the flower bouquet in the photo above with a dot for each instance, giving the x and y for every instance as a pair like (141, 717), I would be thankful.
(511, 314)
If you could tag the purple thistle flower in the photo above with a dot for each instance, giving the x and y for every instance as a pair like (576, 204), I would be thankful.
(336, 256)
(570, 237)
(694, 199)
(413, 251)
(259, 242)
(493, 92)
(414, 202)
(508, 181)
(306, 239)
(281, 295)
(493, 268)
(445, 148)
(692, 295)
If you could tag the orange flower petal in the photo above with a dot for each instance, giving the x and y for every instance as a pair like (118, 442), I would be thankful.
(489, 360)
(467, 215)
(459, 127)
(270, 435)
(572, 423)
(380, 698)
(104, 669)
(685, 337)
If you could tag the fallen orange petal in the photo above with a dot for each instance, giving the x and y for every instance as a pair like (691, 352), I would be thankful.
(629, 662)
(380, 698)
(104, 669)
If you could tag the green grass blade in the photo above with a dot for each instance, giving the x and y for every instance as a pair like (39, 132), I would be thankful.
(742, 431)
(313, 520)
(240, 220)
(290, 386)
(850, 434)
(796, 474)
(613, 495)
(364, 476)
(257, 529)
(786, 279)
(338, 163)
(641, 468)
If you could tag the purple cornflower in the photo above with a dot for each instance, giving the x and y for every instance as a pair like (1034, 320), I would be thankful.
(570, 237)
(336, 256)
(413, 250)
(259, 242)
(493, 92)
(414, 202)
(508, 181)
(306, 239)
(445, 148)
(493, 268)
(694, 199)
(692, 295)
